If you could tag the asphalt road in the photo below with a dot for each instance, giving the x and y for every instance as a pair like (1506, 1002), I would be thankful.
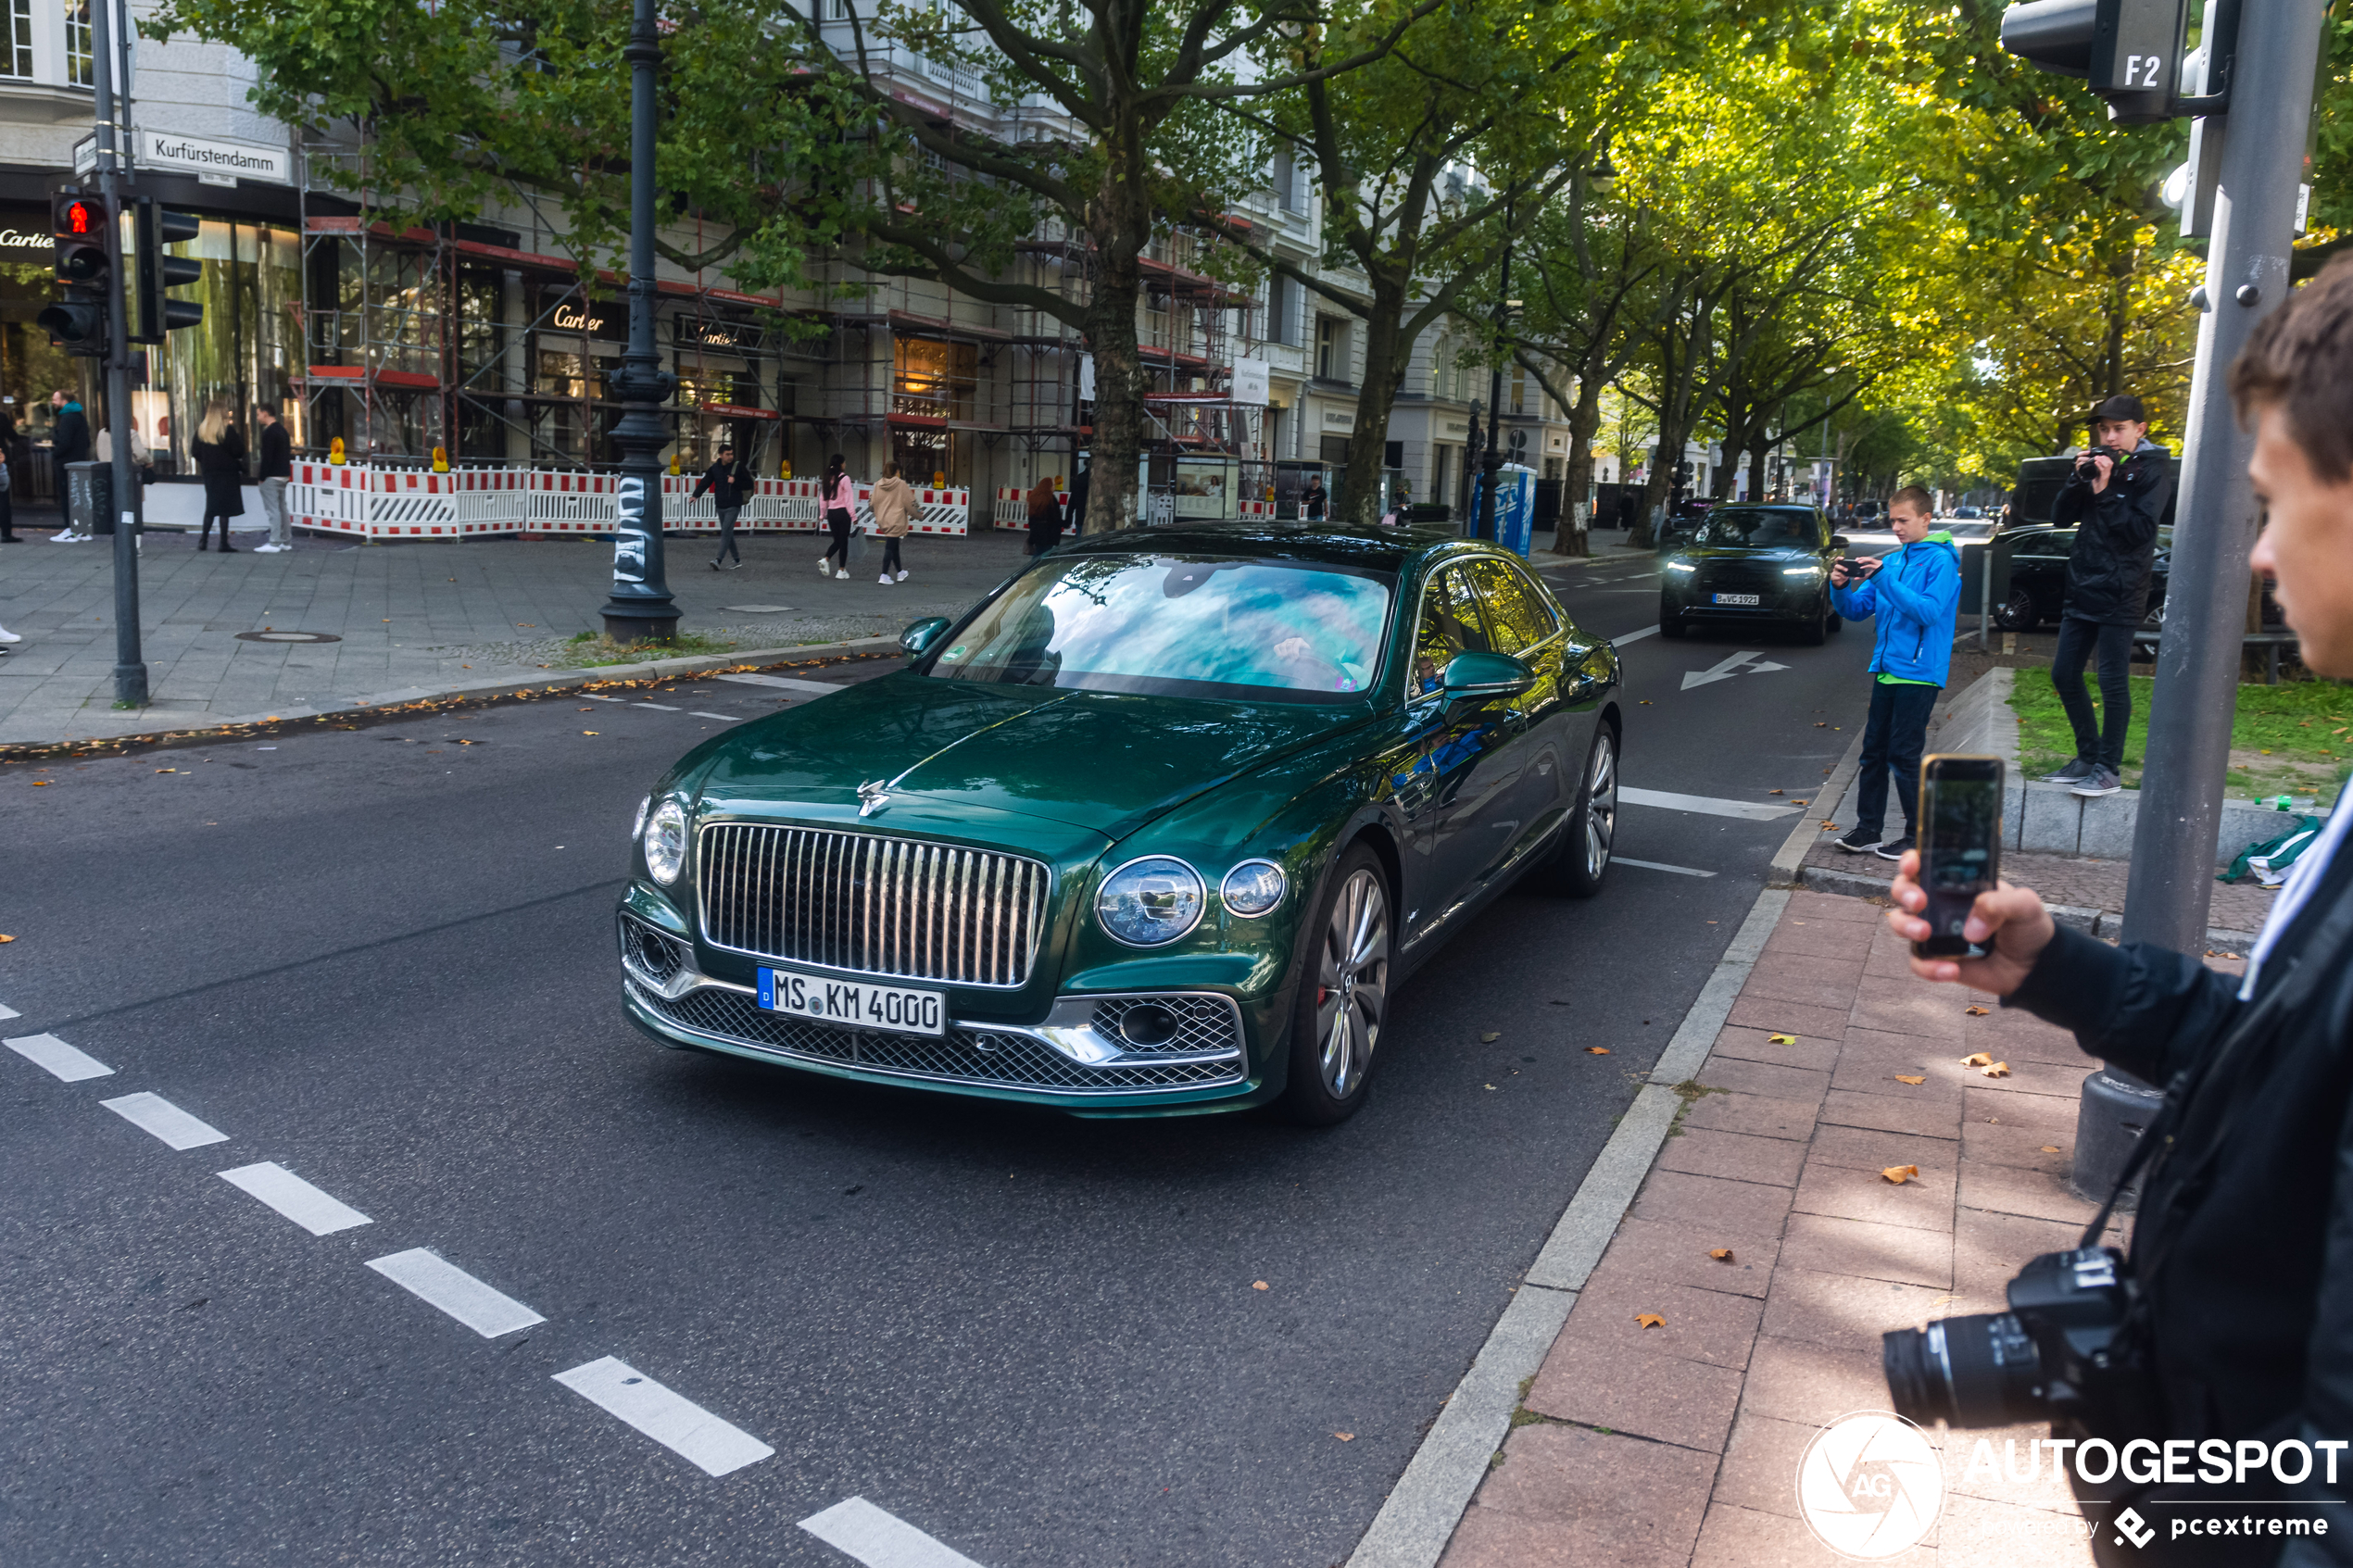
(382, 960)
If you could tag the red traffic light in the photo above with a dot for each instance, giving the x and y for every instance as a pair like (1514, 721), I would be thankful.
(77, 218)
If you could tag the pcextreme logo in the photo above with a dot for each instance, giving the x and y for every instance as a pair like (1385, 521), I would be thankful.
(1871, 1486)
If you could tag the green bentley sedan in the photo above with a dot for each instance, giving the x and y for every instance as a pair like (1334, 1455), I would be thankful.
(1159, 826)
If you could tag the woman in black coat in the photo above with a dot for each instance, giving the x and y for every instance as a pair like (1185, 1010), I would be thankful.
(219, 451)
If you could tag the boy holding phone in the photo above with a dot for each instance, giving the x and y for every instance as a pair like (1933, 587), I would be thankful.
(1916, 592)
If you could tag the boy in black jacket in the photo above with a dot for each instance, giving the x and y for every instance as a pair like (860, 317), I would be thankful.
(2242, 1245)
(726, 483)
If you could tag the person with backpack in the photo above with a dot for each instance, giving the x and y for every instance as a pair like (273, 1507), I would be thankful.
(892, 501)
(726, 484)
(1915, 592)
(839, 497)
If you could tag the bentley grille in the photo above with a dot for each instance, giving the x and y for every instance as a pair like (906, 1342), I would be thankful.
(899, 907)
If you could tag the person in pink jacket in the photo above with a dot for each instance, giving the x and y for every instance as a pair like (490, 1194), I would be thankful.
(840, 501)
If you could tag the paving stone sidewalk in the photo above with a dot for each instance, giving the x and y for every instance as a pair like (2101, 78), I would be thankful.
(1679, 1445)
(409, 617)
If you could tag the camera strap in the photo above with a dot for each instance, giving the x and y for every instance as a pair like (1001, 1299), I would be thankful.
(2304, 974)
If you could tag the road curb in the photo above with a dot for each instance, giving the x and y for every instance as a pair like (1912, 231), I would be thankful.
(471, 690)
(1422, 1511)
(1789, 860)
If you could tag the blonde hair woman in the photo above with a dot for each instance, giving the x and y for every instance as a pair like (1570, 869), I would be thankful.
(219, 452)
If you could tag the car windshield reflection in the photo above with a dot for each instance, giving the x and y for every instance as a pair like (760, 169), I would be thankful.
(1756, 527)
(1180, 625)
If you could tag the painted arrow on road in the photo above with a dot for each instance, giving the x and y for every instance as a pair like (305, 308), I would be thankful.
(1729, 668)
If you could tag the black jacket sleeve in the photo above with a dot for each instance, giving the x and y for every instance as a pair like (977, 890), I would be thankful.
(2149, 1010)
(2129, 509)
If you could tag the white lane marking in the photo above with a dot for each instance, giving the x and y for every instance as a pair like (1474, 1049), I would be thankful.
(723, 718)
(1723, 670)
(440, 1282)
(671, 1419)
(7, 1011)
(295, 1198)
(880, 1539)
(62, 1061)
(662, 706)
(152, 1113)
(1707, 805)
(592, 697)
(1633, 637)
(1657, 866)
(782, 683)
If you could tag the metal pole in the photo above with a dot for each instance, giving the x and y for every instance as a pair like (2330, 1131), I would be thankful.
(130, 658)
(2197, 660)
(1492, 465)
(641, 609)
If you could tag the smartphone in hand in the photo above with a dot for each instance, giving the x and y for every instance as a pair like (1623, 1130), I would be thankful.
(1960, 845)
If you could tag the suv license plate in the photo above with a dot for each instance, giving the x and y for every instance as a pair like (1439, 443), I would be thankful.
(854, 1004)
(1749, 599)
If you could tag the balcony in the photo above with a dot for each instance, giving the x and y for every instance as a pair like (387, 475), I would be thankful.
(44, 62)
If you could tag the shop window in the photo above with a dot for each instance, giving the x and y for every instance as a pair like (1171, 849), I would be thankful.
(933, 379)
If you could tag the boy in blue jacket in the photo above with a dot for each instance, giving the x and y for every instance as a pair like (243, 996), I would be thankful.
(1916, 592)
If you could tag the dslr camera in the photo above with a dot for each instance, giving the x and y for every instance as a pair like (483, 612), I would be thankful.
(2085, 471)
(2059, 1353)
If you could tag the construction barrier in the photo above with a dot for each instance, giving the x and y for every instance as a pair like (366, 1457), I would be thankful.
(368, 502)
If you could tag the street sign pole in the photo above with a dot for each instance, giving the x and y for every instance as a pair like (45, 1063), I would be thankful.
(2197, 659)
(130, 658)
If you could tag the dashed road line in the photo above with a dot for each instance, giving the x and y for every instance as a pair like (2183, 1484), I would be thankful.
(669, 1419)
(881, 1539)
(782, 682)
(1705, 805)
(1658, 866)
(440, 1282)
(592, 697)
(62, 1061)
(659, 707)
(295, 1198)
(1633, 637)
(156, 1115)
(723, 718)
(7, 1011)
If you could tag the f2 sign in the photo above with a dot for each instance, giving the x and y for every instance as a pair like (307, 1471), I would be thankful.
(2128, 51)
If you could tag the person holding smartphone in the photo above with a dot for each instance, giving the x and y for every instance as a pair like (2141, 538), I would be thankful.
(2242, 1251)
(1916, 592)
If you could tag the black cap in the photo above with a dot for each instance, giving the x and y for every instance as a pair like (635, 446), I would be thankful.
(2123, 406)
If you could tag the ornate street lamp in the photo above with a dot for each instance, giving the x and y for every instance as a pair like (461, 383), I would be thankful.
(640, 609)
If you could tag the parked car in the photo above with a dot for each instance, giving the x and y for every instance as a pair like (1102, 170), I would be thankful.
(1158, 826)
(1746, 565)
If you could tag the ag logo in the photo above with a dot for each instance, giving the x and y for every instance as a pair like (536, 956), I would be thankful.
(1870, 1485)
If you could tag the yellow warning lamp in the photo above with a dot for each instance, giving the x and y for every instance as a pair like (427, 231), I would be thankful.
(674, 462)
(441, 460)
(783, 470)
(939, 479)
(335, 451)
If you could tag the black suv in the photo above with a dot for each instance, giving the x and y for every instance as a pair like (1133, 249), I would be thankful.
(1746, 565)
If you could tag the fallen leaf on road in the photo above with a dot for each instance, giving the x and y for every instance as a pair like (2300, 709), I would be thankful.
(1822, 724)
(1721, 1254)
(1998, 1070)
(1258, 1285)
(1650, 1320)
(1975, 1012)
(1801, 803)
(1597, 1051)
(1345, 1436)
(1646, 702)
(1490, 1037)
(590, 732)
(1828, 824)
(1899, 1175)
(42, 784)
(1979, 1059)
(1775, 791)
(1902, 1078)
(1491, 1085)
(11, 938)
(167, 770)
(1780, 1039)
(2050, 1148)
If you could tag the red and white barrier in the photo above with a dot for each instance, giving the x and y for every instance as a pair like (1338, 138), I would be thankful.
(1013, 507)
(369, 502)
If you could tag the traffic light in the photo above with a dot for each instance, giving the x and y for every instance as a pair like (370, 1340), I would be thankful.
(78, 322)
(153, 313)
(2129, 51)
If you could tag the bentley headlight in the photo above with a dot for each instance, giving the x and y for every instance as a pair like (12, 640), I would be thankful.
(1153, 901)
(665, 842)
(637, 828)
(1253, 889)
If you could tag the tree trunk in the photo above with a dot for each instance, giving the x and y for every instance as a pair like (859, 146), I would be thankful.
(1756, 473)
(1570, 537)
(1119, 226)
(1386, 358)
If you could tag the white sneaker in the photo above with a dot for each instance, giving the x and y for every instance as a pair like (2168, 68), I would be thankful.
(270, 549)
(825, 566)
(67, 536)
(884, 579)
(902, 576)
(842, 577)
(8, 636)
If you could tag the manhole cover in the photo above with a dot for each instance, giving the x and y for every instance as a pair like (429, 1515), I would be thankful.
(288, 637)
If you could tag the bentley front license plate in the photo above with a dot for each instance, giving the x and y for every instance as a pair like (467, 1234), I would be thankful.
(1748, 599)
(854, 1004)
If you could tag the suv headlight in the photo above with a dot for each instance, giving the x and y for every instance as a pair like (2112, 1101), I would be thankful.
(1253, 889)
(1679, 566)
(665, 842)
(1151, 901)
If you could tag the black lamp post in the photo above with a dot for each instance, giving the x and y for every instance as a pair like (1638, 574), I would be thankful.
(1492, 465)
(641, 609)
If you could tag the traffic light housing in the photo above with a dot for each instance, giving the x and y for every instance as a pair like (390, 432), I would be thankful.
(152, 312)
(78, 224)
(2128, 51)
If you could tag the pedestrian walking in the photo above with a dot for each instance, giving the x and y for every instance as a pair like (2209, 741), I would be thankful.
(273, 469)
(840, 501)
(1076, 513)
(1045, 517)
(219, 451)
(1916, 592)
(1317, 501)
(2113, 499)
(893, 503)
(8, 481)
(727, 483)
(69, 442)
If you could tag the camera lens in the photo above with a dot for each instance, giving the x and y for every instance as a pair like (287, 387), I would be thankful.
(1972, 1372)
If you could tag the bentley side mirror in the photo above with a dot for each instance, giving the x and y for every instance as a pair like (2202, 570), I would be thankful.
(1485, 675)
(917, 639)
(1841, 542)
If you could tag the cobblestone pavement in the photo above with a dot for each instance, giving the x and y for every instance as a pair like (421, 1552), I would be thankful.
(1678, 1443)
(405, 616)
